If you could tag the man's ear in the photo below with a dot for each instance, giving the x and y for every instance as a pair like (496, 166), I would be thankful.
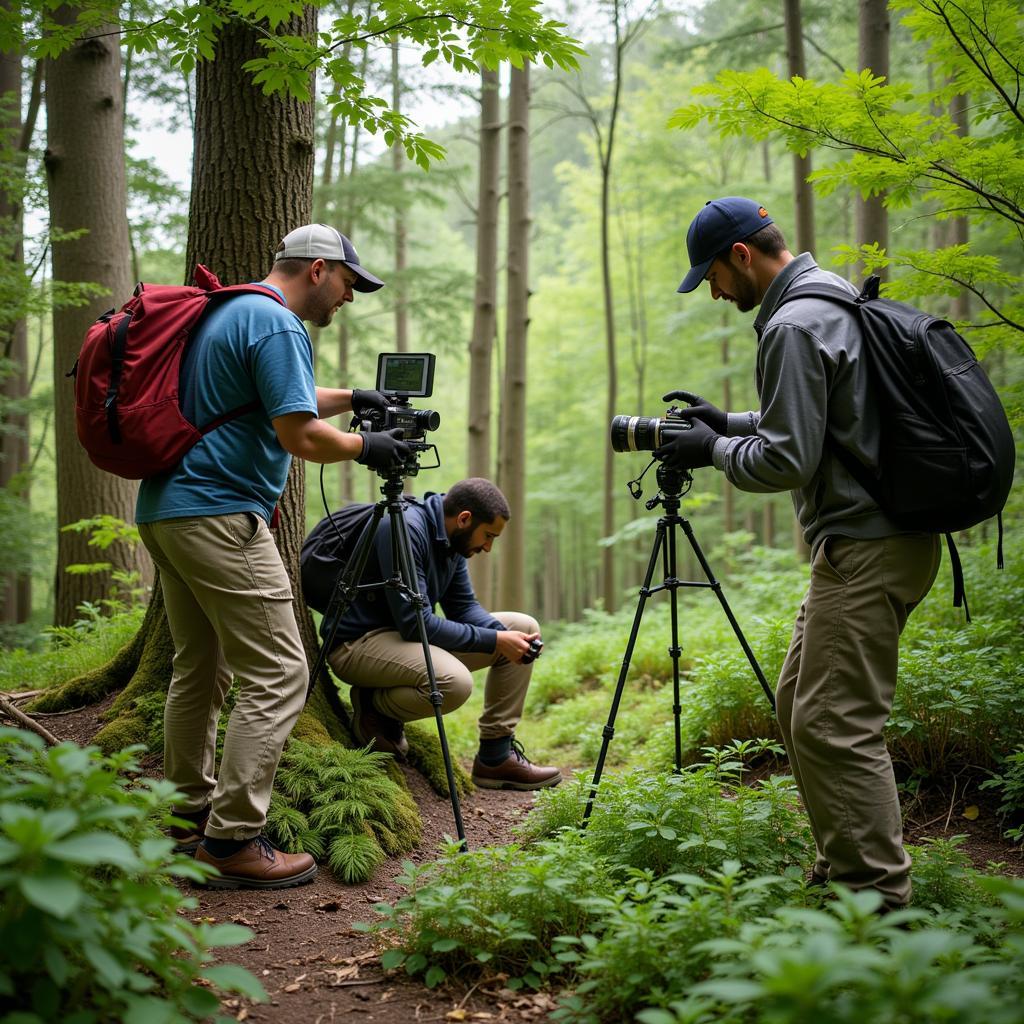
(742, 253)
(464, 519)
(317, 269)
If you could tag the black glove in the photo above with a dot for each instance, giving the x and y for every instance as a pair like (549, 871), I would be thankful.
(700, 409)
(385, 450)
(689, 449)
(369, 405)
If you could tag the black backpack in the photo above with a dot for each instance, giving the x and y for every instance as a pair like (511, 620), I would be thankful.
(946, 457)
(326, 551)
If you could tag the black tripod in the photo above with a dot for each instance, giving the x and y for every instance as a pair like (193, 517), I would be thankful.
(671, 484)
(347, 587)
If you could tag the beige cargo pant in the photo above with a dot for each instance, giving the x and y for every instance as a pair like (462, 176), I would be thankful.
(394, 668)
(229, 607)
(835, 695)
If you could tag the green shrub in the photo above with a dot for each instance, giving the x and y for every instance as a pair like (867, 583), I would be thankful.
(329, 799)
(846, 965)
(91, 924)
(1010, 785)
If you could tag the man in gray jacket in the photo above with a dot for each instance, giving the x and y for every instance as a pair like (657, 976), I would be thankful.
(836, 688)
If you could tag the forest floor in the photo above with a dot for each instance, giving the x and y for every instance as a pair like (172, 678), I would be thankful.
(317, 970)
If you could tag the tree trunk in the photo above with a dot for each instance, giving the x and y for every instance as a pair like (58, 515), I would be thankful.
(86, 181)
(872, 219)
(401, 231)
(513, 443)
(803, 194)
(16, 587)
(485, 304)
(609, 591)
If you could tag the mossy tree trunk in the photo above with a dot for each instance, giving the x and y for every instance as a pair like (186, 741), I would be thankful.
(252, 183)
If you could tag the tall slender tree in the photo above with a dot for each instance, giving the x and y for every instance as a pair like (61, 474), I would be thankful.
(512, 478)
(485, 300)
(86, 182)
(871, 216)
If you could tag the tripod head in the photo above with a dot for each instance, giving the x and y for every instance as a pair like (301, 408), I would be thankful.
(672, 485)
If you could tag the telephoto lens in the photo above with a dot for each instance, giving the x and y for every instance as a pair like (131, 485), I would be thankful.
(645, 433)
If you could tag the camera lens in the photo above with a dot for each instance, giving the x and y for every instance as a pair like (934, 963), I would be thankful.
(635, 433)
(427, 419)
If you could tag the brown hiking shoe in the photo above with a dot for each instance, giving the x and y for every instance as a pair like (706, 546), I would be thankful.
(515, 772)
(258, 865)
(188, 837)
(385, 734)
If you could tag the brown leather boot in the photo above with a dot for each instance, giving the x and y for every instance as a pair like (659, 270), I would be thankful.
(188, 837)
(258, 865)
(384, 733)
(515, 772)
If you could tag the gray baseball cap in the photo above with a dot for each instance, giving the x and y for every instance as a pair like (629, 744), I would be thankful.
(322, 242)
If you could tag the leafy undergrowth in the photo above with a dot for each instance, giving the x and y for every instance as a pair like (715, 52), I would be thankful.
(684, 900)
(92, 926)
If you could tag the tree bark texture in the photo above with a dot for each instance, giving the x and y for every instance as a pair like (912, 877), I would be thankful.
(872, 218)
(803, 194)
(513, 441)
(400, 229)
(86, 181)
(16, 587)
(485, 302)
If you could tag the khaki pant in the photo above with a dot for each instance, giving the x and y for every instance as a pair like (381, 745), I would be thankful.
(835, 695)
(382, 661)
(229, 607)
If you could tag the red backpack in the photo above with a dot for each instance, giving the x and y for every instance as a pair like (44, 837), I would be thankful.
(127, 401)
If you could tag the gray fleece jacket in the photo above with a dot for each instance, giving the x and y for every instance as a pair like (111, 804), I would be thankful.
(811, 380)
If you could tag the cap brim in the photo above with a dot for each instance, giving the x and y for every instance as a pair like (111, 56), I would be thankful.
(365, 281)
(695, 276)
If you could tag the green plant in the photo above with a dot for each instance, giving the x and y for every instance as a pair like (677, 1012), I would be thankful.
(91, 924)
(341, 802)
(1010, 784)
(104, 531)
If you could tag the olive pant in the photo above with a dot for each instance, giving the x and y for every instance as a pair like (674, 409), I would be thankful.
(229, 607)
(835, 695)
(394, 668)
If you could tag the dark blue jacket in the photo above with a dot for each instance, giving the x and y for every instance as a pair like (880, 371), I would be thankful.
(443, 579)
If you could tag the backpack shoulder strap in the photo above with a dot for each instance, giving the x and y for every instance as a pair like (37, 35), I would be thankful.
(247, 289)
(833, 293)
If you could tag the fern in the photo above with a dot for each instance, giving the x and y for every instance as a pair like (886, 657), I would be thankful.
(353, 858)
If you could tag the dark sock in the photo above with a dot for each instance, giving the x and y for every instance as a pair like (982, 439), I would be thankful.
(494, 751)
(224, 847)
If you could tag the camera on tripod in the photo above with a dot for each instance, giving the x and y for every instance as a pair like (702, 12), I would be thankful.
(401, 376)
(646, 433)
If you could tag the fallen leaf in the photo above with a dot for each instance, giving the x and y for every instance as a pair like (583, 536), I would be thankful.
(970, 813)
(242, 1014)
(293, 987)
(457, 1014)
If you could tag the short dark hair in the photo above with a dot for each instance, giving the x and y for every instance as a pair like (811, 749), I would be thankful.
(479, 497)
(292, 266)
(768, 240)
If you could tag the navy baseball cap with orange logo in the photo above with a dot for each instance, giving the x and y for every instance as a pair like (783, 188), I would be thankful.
(715, 229)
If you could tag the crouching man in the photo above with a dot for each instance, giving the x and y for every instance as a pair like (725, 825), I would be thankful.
(377, 650)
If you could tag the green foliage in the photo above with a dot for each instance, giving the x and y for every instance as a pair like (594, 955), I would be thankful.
(91, 641)
(464, 34)
(900, 141)
(1009, 782)
(845, 965)
(92, 927)
(343, 802)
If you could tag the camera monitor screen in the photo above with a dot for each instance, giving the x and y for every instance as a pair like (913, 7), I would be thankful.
(408, 374)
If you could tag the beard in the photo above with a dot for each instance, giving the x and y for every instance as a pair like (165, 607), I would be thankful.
(460, 542)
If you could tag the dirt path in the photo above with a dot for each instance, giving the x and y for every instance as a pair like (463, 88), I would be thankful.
(317, 970)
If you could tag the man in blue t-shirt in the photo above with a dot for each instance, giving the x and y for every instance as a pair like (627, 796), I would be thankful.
(225, 588)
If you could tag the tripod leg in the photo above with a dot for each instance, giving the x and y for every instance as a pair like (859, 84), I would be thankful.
(717, 588)
(672, 582)
(609, 729)
(403, 551)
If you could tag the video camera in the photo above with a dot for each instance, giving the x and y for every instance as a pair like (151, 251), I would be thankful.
(646, 433)
(401, 376)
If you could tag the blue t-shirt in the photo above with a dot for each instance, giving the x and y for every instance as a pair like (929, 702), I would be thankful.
(249, 348)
